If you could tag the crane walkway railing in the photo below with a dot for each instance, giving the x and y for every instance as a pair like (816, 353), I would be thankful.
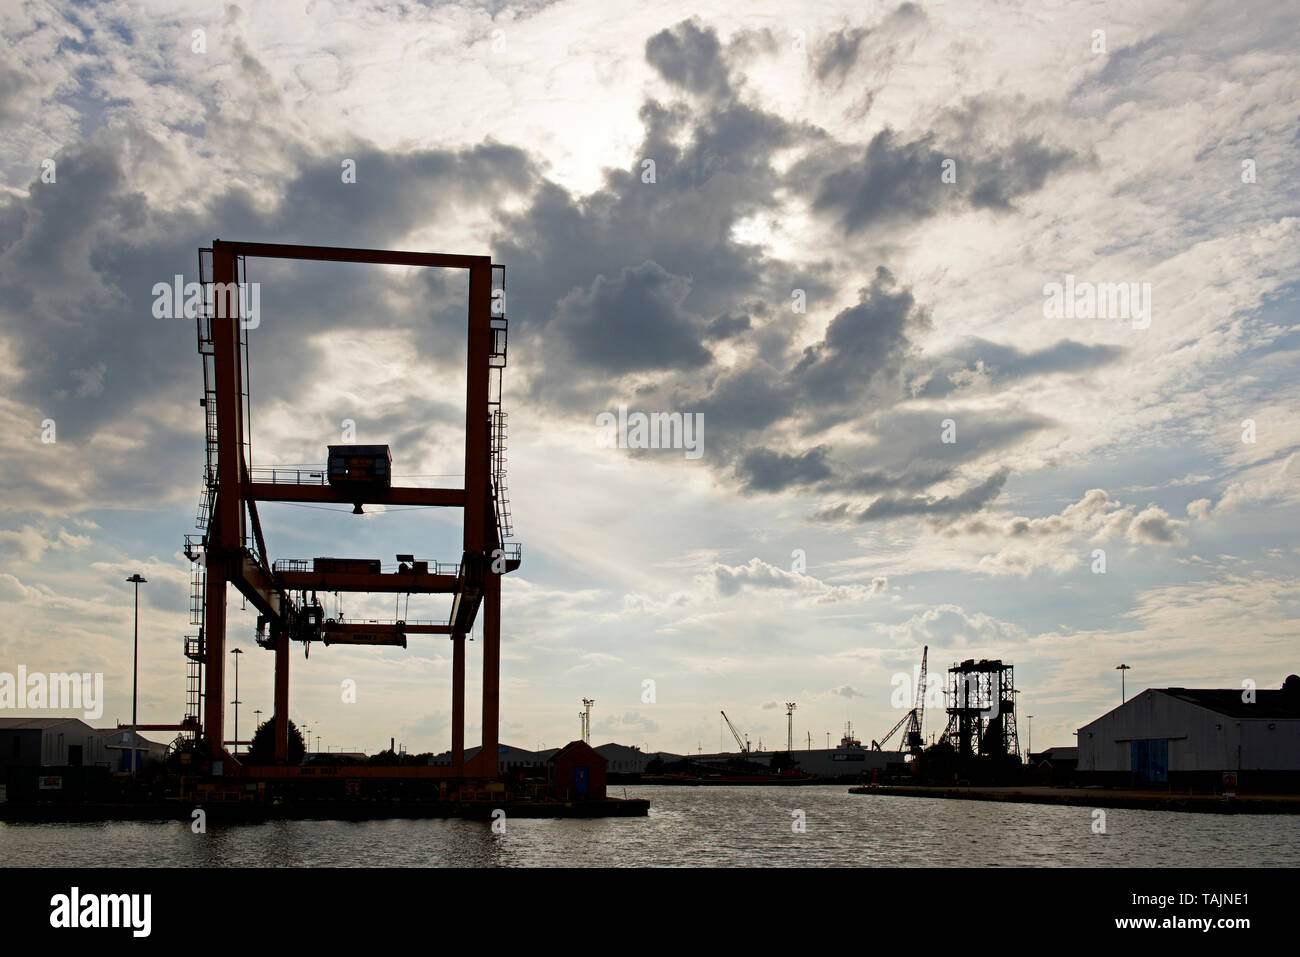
(276, 475)
(387, 568)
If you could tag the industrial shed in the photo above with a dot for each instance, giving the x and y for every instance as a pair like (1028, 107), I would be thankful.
(49, 742)
(70, 742)
(577, 773)
(1191, 737)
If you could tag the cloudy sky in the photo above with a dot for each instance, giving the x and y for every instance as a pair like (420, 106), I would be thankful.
(826, 228)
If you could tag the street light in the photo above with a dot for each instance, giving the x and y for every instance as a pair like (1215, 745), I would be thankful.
(137, 579)
(1029, 749)
(1121, 669)
(236, 652)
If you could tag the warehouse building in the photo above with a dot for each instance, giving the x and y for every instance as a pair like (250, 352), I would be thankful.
(70, 742)
(620, 758)
(629, 759)
(120, 748)
(830, 764)
(49, 742)
(1188, 738)
(1054, 766)
(510, 759)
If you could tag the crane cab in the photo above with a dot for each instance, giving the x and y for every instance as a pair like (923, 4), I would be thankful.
(366, 465)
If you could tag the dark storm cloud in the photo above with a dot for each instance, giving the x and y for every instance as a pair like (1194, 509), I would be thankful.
(394, 193)
(837, 54)
(948, 506)
(892, 179)
(917, 474)
(1022, 168)
(766, 470)
(682, 220)
(691, 58)
(997, 362)
(642, 276)
(1064, 356)
(570, 258)
(861, 342)
(726, 326)
(911, 437)
(647, 277)
(900, 180)
(88, 250)
(632, 323)
(747, 400)
(79, 259)
(861, 353)
(909, 456)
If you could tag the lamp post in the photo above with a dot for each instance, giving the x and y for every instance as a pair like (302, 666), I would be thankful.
(1029, 747)
(1121, 669)
(137, 579)
(236, 652)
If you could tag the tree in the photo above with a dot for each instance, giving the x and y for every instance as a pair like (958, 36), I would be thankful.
(781, 760)
(261, 750)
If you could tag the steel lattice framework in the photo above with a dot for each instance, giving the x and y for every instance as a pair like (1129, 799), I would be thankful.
(982, 709)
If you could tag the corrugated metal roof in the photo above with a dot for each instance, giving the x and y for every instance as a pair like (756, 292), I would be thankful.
(1227, 701)
(1058, 754)
(34, 724)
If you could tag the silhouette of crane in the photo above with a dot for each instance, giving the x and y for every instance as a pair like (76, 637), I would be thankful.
(914, 719)
(743, 745)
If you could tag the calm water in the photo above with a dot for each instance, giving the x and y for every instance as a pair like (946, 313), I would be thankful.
(697, 827)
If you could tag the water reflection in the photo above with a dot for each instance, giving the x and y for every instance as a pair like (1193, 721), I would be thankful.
(694, 827)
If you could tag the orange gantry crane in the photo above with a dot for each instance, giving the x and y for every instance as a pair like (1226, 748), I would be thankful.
(231, 549)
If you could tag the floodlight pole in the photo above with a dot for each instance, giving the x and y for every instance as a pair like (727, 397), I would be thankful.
(137, 579)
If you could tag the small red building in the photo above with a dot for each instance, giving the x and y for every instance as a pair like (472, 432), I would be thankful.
(576, 773)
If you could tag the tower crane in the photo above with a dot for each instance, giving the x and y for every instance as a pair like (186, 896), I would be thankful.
(914, 719)
(743, 745)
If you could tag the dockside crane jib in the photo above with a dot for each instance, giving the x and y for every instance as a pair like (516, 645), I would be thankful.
(914, 719)
(743, 745)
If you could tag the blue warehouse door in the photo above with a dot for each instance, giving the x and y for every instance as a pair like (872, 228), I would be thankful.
(1149, 761)
(580, 779)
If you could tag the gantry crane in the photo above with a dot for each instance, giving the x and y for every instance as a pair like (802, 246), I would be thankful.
(743, 745)
(231, 551)
(914, 719)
